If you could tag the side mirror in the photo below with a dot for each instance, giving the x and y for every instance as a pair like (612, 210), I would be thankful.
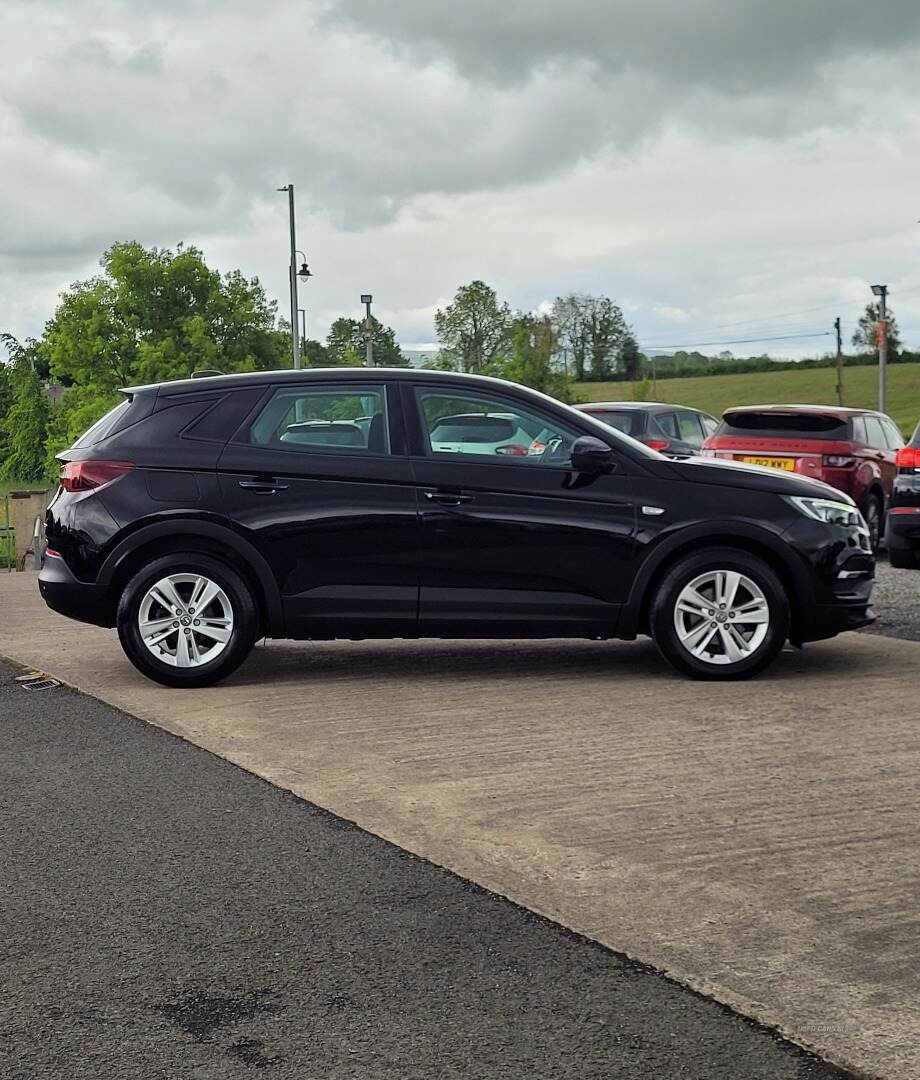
(590, 455)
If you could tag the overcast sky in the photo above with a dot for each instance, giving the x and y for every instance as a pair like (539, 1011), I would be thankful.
(721, 168)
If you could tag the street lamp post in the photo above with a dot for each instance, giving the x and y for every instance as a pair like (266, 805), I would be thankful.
(366, 300)
(293, 273)
(881, 291)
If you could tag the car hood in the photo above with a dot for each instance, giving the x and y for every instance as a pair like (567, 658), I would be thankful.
(736, 474)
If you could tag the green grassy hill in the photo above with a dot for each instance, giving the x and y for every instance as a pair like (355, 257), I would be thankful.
(811, 386)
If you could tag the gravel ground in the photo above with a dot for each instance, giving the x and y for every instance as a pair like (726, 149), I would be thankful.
(896, 600)
(164, 914)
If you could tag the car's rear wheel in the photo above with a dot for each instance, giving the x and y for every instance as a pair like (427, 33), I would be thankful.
(187, 620)
(871, 510)
(720, 613)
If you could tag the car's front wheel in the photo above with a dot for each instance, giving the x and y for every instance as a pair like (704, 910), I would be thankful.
(187, 620)
(720, 613)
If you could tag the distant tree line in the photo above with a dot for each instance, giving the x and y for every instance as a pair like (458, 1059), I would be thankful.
(155, 314)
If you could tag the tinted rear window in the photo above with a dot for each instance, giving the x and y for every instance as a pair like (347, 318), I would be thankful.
(765, 425)
(103, 427)
(629, 421)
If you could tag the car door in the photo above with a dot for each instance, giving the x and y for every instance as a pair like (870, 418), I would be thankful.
(318, 478)
(511, 544)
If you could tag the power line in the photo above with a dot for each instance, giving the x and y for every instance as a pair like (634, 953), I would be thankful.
(741, 341)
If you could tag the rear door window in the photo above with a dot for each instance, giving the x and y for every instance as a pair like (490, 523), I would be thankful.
(780, 425)
(323, 419)
(667, 423)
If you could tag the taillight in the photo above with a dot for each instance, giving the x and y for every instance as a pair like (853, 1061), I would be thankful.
(838, 461)
(536, 447)
(512, 450)
(657, 444)
(908, 458)
(91, 475)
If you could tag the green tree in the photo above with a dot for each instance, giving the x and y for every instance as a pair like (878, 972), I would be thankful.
(346, 345)
(865, 337)
(592, 331)
(26, 422)
(474, 329)
(530, 361)
(156, 314)
(630, 359)
(314, 353)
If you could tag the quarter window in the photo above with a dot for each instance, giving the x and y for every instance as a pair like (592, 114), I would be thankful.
(875, 436)
(324, 419)
(895, 439)
(492, 430)
(691, 431)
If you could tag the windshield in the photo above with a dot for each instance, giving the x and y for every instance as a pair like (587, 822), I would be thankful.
(779, 425)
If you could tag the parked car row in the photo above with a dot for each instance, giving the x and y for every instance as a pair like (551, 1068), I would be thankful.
(853, 450)
(200, 515)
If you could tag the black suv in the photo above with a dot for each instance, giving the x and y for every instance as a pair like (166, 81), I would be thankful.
(198, 516)
(902, 531)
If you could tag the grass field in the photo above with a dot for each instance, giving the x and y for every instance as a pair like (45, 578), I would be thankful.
(811, 386)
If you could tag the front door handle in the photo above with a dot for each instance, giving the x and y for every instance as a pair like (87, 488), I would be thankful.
(263, 487)
(448, 498)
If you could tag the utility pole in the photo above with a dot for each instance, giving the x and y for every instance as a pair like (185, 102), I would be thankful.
(839, 362)
(292, 273)
(881, 291)
(366, 300)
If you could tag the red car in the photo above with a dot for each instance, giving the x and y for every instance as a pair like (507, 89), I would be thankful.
(851, 449)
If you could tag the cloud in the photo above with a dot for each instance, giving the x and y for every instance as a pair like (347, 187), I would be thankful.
(715, 158)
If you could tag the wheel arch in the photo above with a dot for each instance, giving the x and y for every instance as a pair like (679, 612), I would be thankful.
(206, 538)
(771, 549)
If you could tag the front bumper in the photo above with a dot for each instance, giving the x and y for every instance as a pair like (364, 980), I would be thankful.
(67, 595)
(841, 576)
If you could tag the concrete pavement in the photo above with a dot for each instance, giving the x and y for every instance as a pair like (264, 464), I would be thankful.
(757, 841)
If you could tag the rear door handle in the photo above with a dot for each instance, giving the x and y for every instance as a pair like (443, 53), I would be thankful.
(448, 498)
(263, 487)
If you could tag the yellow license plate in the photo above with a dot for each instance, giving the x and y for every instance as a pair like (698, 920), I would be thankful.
(772, 462)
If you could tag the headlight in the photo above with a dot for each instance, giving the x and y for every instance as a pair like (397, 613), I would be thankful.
(829, 511)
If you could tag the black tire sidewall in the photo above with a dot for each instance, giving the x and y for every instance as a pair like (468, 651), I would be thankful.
(245, 619)
(661, 618)
(874, 502)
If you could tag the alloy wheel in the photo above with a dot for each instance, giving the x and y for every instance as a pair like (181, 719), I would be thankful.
(185, 620)
(722, 617)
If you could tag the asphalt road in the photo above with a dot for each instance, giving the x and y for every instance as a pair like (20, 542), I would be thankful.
(165, 914)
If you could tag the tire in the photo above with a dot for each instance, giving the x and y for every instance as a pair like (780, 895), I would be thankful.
(903, 559)
(728, 647)
(187, 651)
(871, 510)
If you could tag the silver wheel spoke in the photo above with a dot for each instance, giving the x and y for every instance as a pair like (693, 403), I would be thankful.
(201, 599)
(730, 583)
(213, 629)
(732, 649)
(753, 616)
(183, 657)
(693, 637)
(703, 643)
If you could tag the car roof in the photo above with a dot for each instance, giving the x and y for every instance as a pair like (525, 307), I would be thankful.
(286, 376)
(635, 406)
(828, 410)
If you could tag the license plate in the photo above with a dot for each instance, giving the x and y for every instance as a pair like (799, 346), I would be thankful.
(772, 462)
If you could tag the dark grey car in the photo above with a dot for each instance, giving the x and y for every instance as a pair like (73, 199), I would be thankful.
(676, 430)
